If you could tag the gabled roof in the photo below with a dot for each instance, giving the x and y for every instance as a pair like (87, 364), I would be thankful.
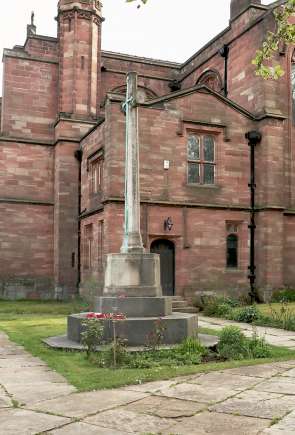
(204, 89)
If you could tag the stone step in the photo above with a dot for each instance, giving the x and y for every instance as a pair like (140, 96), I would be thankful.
(177, 298)
(179, 304)
(187, 309)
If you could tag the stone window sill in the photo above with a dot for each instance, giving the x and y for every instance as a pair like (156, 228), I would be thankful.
(203, 186)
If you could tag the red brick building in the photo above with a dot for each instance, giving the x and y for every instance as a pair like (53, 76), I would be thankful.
(62, 159)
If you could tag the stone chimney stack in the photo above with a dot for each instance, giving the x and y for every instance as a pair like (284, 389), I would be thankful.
(239, 6)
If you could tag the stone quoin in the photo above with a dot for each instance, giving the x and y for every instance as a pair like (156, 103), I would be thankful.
(62, 156)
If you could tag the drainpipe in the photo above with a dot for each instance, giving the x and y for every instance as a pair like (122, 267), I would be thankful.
(253, 137)
(224, 52)
(79, 155)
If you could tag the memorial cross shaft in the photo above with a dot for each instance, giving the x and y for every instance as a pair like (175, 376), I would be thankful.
(132, 241)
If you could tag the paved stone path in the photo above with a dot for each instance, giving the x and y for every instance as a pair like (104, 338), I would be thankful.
(276, 337)
(241, 401)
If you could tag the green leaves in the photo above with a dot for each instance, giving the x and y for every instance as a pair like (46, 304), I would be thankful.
(138, 1)
(284, 34)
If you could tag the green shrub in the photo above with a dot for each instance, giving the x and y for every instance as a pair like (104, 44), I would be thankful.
(232, 302)
(257, 347)
(141, 360)
(283, 316)
(285, 295)
(247, 314)
(220, 306)
(185, 359)
(232, 343)
(190, 351)
(155, 337)
(92, 335)
(116, 354)
(192, 345)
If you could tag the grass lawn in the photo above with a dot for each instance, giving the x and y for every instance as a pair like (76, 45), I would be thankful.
(27, 323)
(266, 310)
(12, 308)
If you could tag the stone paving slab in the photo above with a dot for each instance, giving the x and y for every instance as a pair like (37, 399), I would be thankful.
(38, 391)
(20, 361)
(152, 387)
(217, 424)
(280, 385)
(285, 427)
(165, 407)
(289, 373)
(258, 371)
(23, 422)
(31, 375)
(85, 429)
(129, 421)
(257, 404)
(285, 364)
(198, 393)
(80, 405)
(5, 401)
(226, 380)
(10, 350)
(241, 401)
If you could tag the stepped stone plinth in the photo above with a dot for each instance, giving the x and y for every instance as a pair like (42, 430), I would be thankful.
(135, 330)
(132, 287)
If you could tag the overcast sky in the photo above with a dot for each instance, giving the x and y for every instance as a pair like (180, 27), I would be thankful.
(163, 29)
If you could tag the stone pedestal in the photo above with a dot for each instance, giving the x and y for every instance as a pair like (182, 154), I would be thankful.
(133, 275)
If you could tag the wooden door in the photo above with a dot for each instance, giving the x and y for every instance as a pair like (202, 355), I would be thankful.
(166, 250)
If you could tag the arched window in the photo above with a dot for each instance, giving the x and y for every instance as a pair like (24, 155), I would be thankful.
(143, 94)
(212, 79)
(232, 251)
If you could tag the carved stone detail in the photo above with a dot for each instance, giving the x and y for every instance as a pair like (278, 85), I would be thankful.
(84, 15)
(70, 15)
(97, 20)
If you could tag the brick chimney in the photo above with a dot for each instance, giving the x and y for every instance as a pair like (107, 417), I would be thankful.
(239, 6)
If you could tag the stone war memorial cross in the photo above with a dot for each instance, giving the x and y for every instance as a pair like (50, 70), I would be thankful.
(132, 241)
(132, 277)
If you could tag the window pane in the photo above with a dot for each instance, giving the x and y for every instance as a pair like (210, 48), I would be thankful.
(232, 251)
(193, 148)
(193, 173)
(208, 149)
(209, 174)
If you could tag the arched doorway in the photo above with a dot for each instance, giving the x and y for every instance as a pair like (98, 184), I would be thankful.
(167, 260)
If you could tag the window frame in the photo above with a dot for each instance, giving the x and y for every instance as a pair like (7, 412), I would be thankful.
(101, 245)
(230, 266)
(88, 247)
(95, 169)
(201, 161)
